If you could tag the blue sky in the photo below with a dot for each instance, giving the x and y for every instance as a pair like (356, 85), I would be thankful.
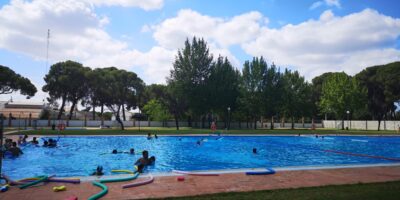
(310, 36)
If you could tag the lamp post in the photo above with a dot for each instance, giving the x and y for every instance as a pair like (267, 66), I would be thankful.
(229, 117)
(348, 114)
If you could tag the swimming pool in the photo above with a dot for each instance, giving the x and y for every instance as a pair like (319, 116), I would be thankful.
(79, 156)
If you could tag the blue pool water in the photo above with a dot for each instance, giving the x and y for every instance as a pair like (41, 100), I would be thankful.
(79, 156)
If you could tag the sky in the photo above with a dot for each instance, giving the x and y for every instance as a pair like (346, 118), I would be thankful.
(143, 36)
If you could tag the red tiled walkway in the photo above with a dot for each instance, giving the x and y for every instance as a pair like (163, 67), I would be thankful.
(169, 187)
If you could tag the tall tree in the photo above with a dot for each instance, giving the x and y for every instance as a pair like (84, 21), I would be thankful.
(341, 93)
(123, 88)
(11, 82)
(252, 88)
(317, 83)
(272, 91)
(296, 96)
(382, 84)
(66, 81)
(157, 111)
(223, 87)
(190, 73)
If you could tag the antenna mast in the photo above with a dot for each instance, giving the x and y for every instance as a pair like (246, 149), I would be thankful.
(47, 59)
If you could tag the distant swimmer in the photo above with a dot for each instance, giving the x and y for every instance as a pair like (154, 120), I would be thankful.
(255, 150)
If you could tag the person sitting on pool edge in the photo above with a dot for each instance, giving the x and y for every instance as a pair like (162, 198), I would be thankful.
(144, 161)
(15, 151)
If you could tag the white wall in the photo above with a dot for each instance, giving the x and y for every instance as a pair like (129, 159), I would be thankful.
(362, 125)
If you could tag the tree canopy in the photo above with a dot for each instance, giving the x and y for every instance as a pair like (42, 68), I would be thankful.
(11, 82)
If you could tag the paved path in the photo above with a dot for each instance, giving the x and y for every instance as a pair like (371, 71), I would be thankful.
(168, 186)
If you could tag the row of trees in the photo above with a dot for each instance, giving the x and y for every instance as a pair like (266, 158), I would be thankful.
(203, 88)
(109, 87)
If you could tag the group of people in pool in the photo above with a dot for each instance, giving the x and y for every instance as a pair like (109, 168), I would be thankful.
(149, 137)
(13, 148)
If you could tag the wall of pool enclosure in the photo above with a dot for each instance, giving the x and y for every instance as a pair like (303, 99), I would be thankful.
(332, 124)
(22, 123)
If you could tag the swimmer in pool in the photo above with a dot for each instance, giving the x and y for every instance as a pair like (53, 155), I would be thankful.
(254, 150)
(15, 151)
(98, 172)
(34, 141)
(149, 136)
(144, 161)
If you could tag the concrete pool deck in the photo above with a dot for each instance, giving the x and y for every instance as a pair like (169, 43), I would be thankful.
(168, 186)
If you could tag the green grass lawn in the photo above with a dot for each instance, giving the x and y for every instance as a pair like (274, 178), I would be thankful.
(370, 191)
(161, 131)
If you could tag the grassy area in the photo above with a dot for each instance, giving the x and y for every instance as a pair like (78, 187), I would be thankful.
(10, 129)
(162, 131)
(370, 191)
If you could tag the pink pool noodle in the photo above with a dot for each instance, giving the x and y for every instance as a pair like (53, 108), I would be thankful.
(195, 173)
(139, 183)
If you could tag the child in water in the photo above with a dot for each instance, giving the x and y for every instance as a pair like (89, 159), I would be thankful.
(98, 172)
(144, 161)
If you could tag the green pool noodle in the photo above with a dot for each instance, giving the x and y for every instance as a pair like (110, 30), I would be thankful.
(100, 194)
(120, 179)
(41, 179)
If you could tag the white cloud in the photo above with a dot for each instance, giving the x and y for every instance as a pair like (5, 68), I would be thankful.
(225, 32)
(144, 4)
(77, 33)
(316, 5)
(331, 43)
(329, 3)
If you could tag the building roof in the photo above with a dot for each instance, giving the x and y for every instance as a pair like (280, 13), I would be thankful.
(22, 109)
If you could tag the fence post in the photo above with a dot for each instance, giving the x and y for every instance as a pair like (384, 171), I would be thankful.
(30, 120)
(9, 120)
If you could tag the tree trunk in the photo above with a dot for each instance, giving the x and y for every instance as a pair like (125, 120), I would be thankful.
(255, 123)
(118, 118)
(203, 119)
(63, 99)
(379, 124)
(189, 121)
(292, 122)
(176, 122)
(342, 123)
(101, 114)
(72, 109)
(272, 122)
(123, 112)
(94, 112)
